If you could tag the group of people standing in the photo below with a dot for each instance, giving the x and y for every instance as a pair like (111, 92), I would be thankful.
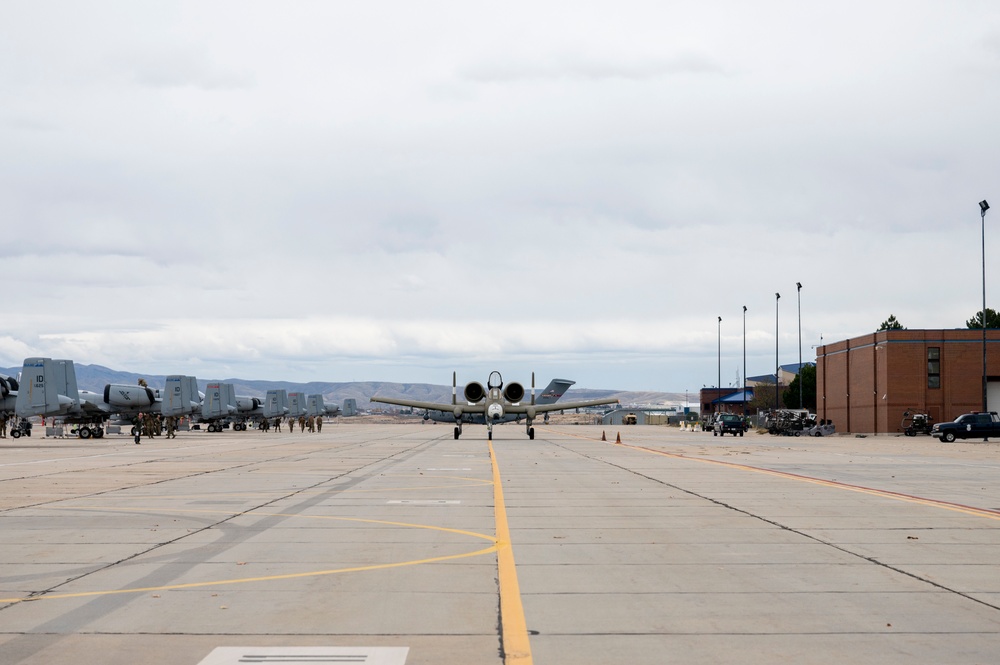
(311, 423)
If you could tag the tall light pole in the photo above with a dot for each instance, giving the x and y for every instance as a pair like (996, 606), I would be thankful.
(777, 297)
(798, 287)
(718, 385)
(983, 207)
(744, 363)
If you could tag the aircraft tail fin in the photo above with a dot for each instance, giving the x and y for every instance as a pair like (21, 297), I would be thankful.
(48, 388)
(220, 401)
(315, 405)
(297, 404)
(179, 397)
(276, 403)
(553, 391)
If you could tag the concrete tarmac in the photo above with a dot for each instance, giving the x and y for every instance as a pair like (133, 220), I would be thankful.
(673, 547)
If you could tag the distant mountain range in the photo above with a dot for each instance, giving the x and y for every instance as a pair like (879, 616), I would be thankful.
(95, 377)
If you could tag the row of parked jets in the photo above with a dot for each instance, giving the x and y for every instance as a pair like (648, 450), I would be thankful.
(48, 388)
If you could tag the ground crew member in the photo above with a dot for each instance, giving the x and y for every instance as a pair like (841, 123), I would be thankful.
(319, 423)
(171, 426)
(3, 426)
(302, 423)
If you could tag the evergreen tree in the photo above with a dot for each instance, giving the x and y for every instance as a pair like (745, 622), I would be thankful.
(892, 324)
(807, 375)
(976, 322)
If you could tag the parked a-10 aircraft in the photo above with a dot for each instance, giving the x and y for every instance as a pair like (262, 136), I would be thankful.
(48, 388)
(493, 404)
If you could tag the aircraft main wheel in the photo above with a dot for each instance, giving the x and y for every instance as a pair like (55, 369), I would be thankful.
(84, 433)
(16, 434)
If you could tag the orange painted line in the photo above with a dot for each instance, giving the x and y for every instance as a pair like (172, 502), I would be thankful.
(516, 646)
(887, 494)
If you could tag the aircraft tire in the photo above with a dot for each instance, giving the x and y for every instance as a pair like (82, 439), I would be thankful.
(84, 433)
(16, 434)
(531, 433)
(489, 435)
(99, 433)
(458, 432)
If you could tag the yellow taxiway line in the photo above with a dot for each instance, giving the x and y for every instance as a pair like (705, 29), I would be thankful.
(287, 576)
(516, 646)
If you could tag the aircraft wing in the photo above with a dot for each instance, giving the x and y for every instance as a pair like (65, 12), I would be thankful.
(558, 406)
(433, 406)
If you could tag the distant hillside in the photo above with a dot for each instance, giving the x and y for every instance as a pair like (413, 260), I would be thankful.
(95, 377)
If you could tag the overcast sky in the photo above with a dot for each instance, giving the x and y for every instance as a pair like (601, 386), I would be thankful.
(342, 191)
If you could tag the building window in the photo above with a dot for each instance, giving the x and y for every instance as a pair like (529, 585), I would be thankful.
(933, 367)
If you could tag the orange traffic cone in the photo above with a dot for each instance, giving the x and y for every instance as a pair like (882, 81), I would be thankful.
(603, 436)
(619, 440)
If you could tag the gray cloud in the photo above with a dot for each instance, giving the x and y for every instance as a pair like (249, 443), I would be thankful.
(587, 68)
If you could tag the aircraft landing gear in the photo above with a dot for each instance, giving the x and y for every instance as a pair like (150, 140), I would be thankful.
(458, 432)
(83, 433)
(531, 433)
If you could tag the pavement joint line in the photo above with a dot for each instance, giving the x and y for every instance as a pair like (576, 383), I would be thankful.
(832, 484)
(244, 580)
(514, 627)
(888, 494)
(297, 492)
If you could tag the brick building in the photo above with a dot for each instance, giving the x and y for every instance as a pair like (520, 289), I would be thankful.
(865, 384)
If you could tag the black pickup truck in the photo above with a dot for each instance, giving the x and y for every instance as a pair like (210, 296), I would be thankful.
(968, 426)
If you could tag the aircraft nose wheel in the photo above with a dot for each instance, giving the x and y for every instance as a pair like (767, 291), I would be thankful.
(457, 432)
(531, 433)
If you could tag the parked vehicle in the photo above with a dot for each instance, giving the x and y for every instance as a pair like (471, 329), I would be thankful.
(976, 425)
(790, 422)
(916, 423)
(728, 422)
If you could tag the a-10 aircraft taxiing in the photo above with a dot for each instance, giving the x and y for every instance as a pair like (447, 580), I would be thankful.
(496, 403)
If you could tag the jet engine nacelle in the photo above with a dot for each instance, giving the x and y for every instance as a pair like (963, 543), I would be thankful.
(7, 384)
(126, 395)
(474, 392)
(513, 392)
(246, 404)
